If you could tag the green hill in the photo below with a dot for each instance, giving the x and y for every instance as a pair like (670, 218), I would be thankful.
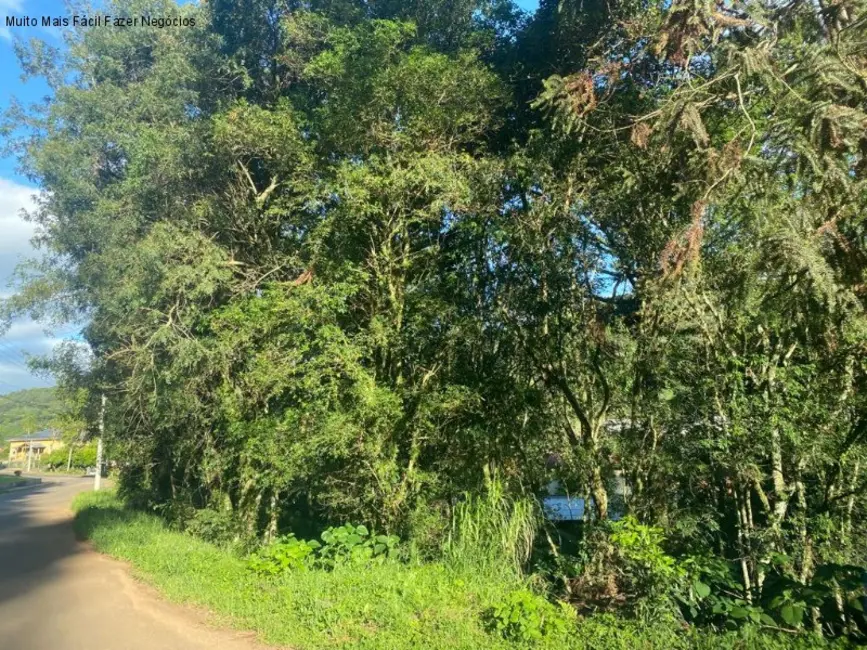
(42, 403)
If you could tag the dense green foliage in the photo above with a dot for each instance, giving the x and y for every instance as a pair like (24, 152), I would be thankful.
(341, 546)
(34, 408)
(372, 606)
(342, 260)
(82, 457)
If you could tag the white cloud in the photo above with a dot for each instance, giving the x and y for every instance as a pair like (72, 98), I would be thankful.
(23, 331)
(15, 232)
(7, 8)
(24, 336)
(25, 339)
(13, 377)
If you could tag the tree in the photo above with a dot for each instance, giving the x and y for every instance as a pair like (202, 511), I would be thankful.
(337, 259)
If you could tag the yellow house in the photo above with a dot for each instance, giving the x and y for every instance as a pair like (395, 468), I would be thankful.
(42, 442)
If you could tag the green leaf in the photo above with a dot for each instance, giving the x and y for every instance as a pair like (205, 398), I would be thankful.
(791, 614)
(701, 589)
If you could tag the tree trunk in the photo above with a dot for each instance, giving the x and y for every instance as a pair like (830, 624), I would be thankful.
(781, 502)
(743, 546)
(850, 505)
(599, 492)
(273, 513)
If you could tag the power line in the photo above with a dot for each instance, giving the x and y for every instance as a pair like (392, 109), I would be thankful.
(7, 355)
(10, 348)
(15, 353)
(13, 366)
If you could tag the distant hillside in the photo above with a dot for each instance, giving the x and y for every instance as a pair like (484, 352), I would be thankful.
(42, 403)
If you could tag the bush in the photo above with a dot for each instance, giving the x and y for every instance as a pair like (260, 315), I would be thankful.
(217, 526)
(343, 545)
(624, 566)
(83, 456)
(644, 567)
(56, 459)
(711, 596)
(350, 544)
(286, 554)
(526, 617)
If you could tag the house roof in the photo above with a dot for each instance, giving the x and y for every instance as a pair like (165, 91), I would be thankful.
(46, 434)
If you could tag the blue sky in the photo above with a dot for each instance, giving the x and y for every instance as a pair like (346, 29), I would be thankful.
(26, 337)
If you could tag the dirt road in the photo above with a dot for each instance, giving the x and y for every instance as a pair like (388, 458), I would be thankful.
(56, 594)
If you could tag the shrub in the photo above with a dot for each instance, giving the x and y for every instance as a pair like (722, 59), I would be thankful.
(83, 456)
(343, 545)
(286, 554)
(350, 544)
(711, 594)
(55, 459)
(835, 590)
(644, 565)
(526, 617)
(217, 526)
(625, 566)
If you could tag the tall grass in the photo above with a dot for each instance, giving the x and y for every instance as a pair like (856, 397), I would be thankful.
(492, 533)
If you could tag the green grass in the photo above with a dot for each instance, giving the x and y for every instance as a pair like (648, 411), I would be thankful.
(7, 481)
(388, 607)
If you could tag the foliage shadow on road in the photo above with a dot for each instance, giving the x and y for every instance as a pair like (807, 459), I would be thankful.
(31, 550)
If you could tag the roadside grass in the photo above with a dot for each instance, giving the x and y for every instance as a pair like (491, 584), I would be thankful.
(11, 482)
(387, 606)
(392, 606)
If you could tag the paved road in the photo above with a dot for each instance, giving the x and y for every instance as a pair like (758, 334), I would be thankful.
(56, 594)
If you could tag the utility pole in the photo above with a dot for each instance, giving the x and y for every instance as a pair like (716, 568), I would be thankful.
(97, 477)
(30, 425)
(30, 452)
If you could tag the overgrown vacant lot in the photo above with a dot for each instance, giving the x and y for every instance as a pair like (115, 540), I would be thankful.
(350, 261)
(392, 605)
